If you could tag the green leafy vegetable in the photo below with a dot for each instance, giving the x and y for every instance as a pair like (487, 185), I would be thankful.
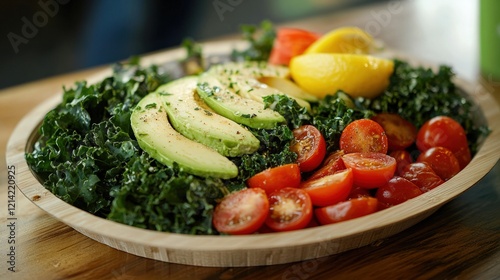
(418, 94)
(288, 108)
(261, 41)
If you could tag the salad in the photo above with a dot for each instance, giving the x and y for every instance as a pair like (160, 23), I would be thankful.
(337, 151)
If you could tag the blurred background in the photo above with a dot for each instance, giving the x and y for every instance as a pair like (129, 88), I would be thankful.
(42, 38)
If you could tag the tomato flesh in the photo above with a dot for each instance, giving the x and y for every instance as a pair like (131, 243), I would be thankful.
(396, 191)
(442, 161)
(403, 158)
(241, 212)
(290, 42)
(346, 210)
(276, 178)
(329, 189)
(422, 175)
(310, 147)
(400, 133)
(289, 209)
(443, 131)
(363, 136)
(331, 165)
(370, 170)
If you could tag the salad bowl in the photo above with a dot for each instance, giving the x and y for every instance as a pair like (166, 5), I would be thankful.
(254, 249)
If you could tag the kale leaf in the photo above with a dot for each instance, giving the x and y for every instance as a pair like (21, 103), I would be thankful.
(418, 94)
(260, 39)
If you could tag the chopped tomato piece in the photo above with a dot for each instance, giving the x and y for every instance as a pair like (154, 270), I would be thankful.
(310, 147)
(241, 212)
(276, 178)
(331, 165)
(357, 192)
(289, 209)
(396, 191)
(400, 133)
(422, 175)
(346, 210)
(445, 132)
(363, 136)
(290, 42)
(329, 189)
(403, 158)
(442, 161)
(370, 170)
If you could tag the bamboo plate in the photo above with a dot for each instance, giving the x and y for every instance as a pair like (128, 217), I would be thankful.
(257, 249)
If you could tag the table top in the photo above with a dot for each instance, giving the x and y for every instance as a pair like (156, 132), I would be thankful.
(461, 240)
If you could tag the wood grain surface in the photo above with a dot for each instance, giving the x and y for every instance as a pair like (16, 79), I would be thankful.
(461, 240)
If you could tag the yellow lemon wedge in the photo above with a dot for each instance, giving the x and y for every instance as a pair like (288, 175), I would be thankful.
(343, 40)
(326, 73)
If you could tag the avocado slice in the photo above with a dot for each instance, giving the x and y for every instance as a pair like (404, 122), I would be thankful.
(162, 142)
(244, 78)
(253, 69)
(232, 106)
(190, 116)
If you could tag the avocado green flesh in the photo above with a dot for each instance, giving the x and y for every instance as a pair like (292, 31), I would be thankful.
(253, 69)
(161, 141)
(242, 78)
(190, 116)
(235, 107)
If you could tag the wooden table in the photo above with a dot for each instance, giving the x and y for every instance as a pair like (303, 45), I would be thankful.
(460, 241)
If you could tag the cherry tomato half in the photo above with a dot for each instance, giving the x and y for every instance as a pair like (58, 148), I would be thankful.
(290, 42)
(442, 161)
(289, 209)
(403, 158)
(241, 212)
(400, 133)
(396, 191)
(331, 165)
(363, 136)
(442, 131)
(422, 175)
(346, 210)
(357, 192)
(310, 147)
(329, 189)
(370, 170)
(276, 178)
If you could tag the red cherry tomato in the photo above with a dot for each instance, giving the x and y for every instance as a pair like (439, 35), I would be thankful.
(289, 209)
(310, 147)
(329, 189)
(357, 192)
(331, 165)
(241, 212)
(363, 136)
(422, 175)
(445, 132)
(290, 42)
(403, 158)
(346, 210)
(463, 156)
(370, 170)
(276, 178)
(396, 191)
(442, 161)
(400, 133)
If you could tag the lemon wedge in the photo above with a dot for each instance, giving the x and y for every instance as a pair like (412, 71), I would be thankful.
(343, 40)
(326, 73)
